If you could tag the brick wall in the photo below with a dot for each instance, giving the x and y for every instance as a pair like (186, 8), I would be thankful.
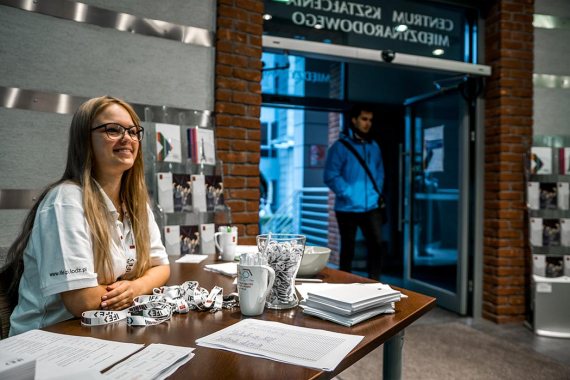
(508, 136)
(237, 108)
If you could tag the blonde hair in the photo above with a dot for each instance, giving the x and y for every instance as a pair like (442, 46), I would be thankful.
(79, 170)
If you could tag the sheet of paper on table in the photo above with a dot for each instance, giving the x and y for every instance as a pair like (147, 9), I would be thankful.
(68, 353)
(156, 361)
(312, 348)
(228, 269)
(191, 259)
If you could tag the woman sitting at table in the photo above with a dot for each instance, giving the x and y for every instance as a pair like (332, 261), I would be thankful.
(91, 241)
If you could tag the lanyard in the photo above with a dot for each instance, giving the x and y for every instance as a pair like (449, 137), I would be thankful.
(126, 237)
(157, 308)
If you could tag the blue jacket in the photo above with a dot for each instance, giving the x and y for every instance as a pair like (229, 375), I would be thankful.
(347, 178)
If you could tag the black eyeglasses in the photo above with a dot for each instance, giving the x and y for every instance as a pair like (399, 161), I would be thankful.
(117, 131)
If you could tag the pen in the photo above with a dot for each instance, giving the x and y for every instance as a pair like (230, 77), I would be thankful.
(308, 280)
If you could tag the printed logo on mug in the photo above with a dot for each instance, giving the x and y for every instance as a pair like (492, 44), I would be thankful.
(254, 283)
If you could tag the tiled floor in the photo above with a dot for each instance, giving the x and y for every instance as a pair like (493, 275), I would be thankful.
(555, 348)
(518, 333)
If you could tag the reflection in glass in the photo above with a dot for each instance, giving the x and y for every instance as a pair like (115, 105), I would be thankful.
(290, 75)
(436, 170)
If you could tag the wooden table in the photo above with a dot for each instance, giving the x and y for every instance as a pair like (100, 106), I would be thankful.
(184, 329)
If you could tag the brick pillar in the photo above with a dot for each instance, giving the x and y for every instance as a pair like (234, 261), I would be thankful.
(237, 108)
(508, 136)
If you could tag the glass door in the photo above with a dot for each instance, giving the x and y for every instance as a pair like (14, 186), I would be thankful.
(435, 205)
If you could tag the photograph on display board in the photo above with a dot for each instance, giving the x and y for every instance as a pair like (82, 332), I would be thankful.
(214, 192)
(548, 196)
(554, 266)
(201, 146)
(540, 160)
(168, 144)
(174, 192)
(551, 232)
(182, 192)
(182, 240)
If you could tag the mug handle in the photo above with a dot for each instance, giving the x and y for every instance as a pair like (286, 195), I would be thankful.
(217, 242)
(270, 280)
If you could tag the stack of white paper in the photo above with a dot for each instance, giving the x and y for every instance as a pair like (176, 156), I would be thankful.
(228, 269)
(349, 304)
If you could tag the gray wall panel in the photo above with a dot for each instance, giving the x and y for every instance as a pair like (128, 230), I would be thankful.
(551, 54)
(33, 148)
(10, 224)
(557, 8)
(551, 111)
(197, 13)
(45, 53)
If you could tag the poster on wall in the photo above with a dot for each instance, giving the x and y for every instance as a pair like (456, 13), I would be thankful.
(317, 156)
(433, 149)
(168, 146)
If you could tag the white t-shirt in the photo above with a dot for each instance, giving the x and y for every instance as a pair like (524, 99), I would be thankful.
(59, 257)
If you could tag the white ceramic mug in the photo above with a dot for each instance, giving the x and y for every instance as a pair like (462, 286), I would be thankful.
(226, 242)
(254, 283)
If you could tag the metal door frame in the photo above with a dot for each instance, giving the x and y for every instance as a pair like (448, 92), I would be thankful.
(454, 301)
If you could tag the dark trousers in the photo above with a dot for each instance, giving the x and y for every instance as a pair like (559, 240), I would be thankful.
(370, 224)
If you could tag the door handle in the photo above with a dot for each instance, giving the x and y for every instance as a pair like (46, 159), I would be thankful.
(401, 196)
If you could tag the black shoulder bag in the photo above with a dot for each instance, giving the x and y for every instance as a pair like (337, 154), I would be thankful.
(381, 201)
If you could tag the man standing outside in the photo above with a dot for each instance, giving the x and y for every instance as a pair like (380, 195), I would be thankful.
(357, 199)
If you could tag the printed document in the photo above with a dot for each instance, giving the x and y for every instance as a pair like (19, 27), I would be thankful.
(156, 361)
(67, 351)
(312, 348)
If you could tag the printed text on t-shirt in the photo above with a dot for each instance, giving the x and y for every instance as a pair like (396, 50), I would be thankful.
(65, 272)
